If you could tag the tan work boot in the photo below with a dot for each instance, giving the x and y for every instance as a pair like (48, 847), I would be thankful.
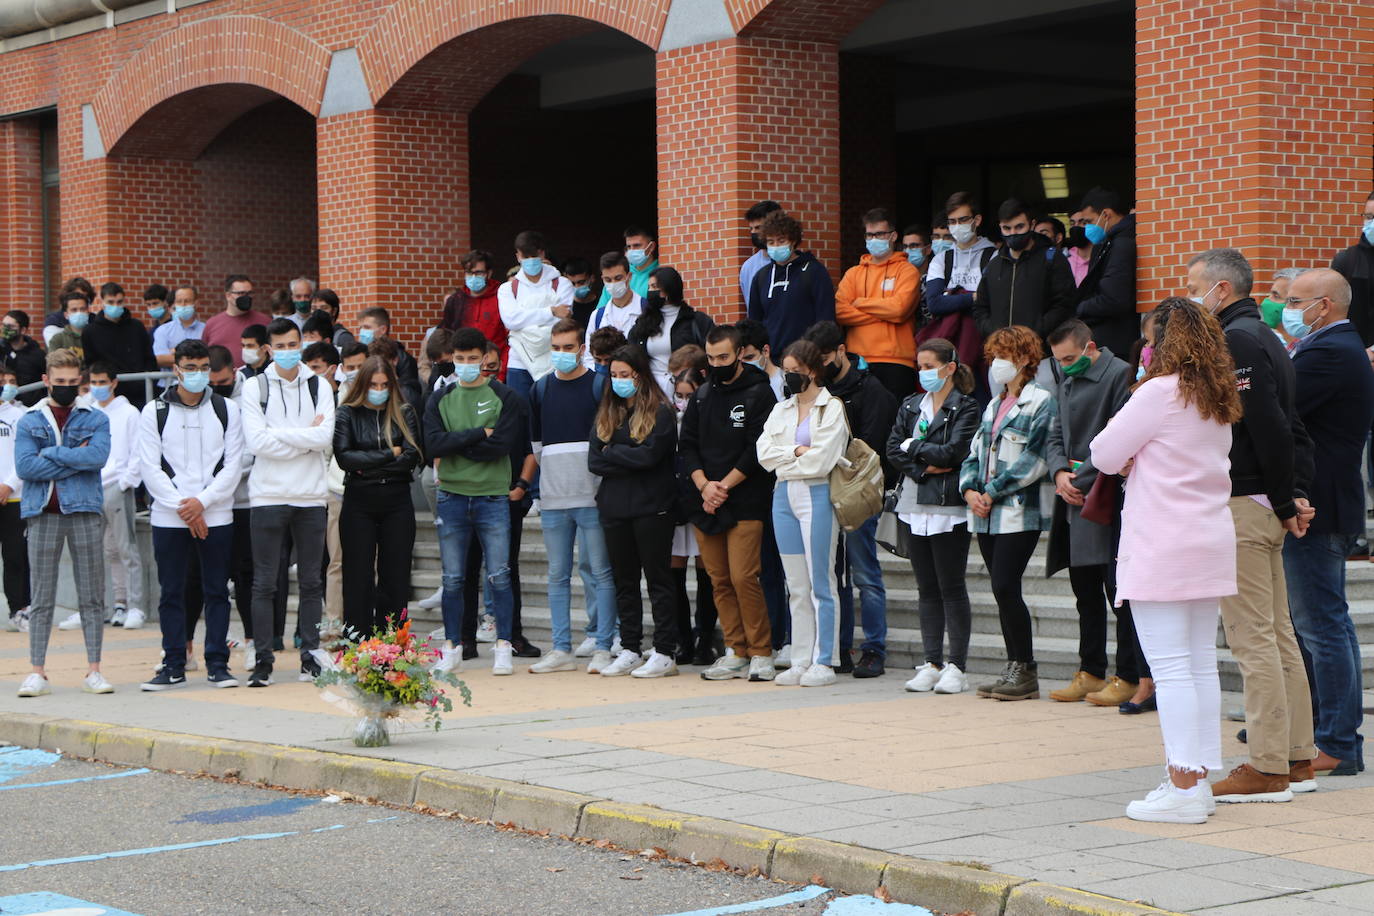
(1083, 684)
(1115, 693)
(1247, 784)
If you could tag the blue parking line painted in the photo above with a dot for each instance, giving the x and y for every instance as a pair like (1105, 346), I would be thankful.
(67, 782)
(801, 896)
(146, 851)
(45, 904)
(239, 813)
(20, 761)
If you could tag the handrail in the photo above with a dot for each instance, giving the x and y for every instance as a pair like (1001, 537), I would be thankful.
(147, 378)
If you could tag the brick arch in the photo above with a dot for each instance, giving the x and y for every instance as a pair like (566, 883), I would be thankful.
(447, 54)
(229, 63)
(805, 20)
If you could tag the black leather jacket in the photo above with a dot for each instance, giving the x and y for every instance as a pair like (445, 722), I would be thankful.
(363, 453)
(945, 445)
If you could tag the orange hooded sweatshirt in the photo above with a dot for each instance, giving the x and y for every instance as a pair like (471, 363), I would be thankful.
(877, 304)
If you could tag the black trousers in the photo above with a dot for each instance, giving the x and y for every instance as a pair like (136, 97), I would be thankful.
(643, 544)
(473, 601)
(940, 564)
(1094, 589)
(896, 378)
(14, 553)
(701, 634)
(376, 532)
(1006, 556)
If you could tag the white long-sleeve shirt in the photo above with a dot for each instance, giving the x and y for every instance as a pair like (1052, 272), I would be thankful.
(10, 412)
(123, 466)
(290, 451)
(194, 444)
(527, 312)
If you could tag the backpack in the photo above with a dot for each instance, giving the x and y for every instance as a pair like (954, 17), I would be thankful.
(983, 260)
(541, 387)
(515, 284)
(221, 408)
(856, 483)
(264, 390)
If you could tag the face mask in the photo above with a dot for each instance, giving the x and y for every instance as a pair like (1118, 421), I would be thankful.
(917, 256)
(829, 372)
(1079, 366)
(757, 241)
(1140, 373)
(601, 369)
(114, 312)
(1271, 310)
(582, 292)
(366, 336)
(184, 312)
(475, 284)
(63, 395)
(79, 320)
(9, 392)
(723, 374)
(879, 248)
(563, 362)
(532, 267)
(1094, 233)
(1369, 231)
(286, 359)
(250, 356)
(1294, 324)
(157, 311)
(302, 305)
(100, 393)
(636, 256)
(224, 391)
(617, 290)
(653, 300)
(243, 303)
(940, 246)
(680, 401)
(378, 398)
(931, 380)
(962, 232)
(756, 363)
(1201, 301)
(1003, 371)
(8, 333)
(1018, 241)
(467, 372)
(1078, 238)
(795, 382)
(623, 387)
(1147, 354)
(196, 382)
(779, 253)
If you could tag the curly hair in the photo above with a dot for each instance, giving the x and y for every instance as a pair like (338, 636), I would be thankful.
(1019, 344)
(1189, 343)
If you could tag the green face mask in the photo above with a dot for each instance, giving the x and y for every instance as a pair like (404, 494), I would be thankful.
(1079, 366)
(1272, 312)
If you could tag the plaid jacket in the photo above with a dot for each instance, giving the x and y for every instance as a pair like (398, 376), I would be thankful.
(1010, 466)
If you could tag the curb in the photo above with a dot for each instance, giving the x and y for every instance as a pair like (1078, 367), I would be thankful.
(757, 851)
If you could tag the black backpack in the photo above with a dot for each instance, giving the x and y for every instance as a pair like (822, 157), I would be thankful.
(217, 403)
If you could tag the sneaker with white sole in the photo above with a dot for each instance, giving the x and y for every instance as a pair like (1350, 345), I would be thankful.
(71, 622)
(791, 677)
(726, 668)
(624, 663)
(952, 680)
(783, 658)
(586, 649)
(35, 685)
(21, 620)
(95, 683)
(927, 676)
(221, 679)
(450, 658)
(601, 660)
(501, 655)
(134, 619)
(433, 601)
(818, 676)
(486, 631)
(761, 668)
(250, 655)
(164, 679)
(117, 618)
(554, 660)
(658, 665)
(616, 647)
(1169, 805)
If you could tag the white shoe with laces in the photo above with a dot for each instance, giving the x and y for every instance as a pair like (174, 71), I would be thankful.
(95, 683)
(501, 655)
(35, 685)
(486, 632)
(783, 658)
(601, 660)
(72, 622)
(1168, 805)
(117, 618)
(818, 676)
(761, 668)
(952, 680)
(450, 658)
(586, 649)
(554, 660)
(134, 619)
(791, 677)
(658, 665)
(927, 676)
(433, 601)
(624, 663)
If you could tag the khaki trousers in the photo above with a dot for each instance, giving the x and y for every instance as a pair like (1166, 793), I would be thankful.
(732, 560)
(333, 577)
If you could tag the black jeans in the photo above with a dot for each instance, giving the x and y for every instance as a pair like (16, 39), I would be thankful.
(702, 634)
(1094, 589)
(940, 564)
(241, 569)
(376, 532)
(271, 525)
(14, 553)
(473, 599)
(1006, 556)
(643, 544)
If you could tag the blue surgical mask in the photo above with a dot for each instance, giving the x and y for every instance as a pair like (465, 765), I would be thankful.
(286, 359)
(157, 311)
(779, 253)
(602, 369)
(1139, 373)
(100, 393)
(378, 398)
(878, 247)
(917, 256)
(79, 320)
(9, 392)
(1294, 324)
(1369, 231)
(196, 382)
(467, 372)
(366, 336)
(636, 256)
(184, 312)
(932, 380)
(940, 246)
(624, 387)
(563, 362)
(475, 284)
(532, 267)
(114, 312)
(582, 292)
(1095, 233)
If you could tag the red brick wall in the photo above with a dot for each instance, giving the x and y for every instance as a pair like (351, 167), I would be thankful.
(21, 218)
(1254, 128)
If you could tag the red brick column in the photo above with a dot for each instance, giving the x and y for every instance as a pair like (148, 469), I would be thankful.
(742, 120)
(393, 212)
(21, 218)
(1254, 129)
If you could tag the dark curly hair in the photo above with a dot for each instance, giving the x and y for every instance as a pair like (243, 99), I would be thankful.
(1189, 343)
(1019, 344)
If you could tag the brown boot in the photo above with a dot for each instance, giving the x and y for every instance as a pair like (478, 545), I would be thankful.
(1083, 684)
(1247, 784)
(1301, 776)
(1018, 683)
(1115, 693)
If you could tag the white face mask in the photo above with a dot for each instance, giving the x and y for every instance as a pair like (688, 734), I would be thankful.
(1003, 371)
(962, 232)
(1202, 300)
(617, 290)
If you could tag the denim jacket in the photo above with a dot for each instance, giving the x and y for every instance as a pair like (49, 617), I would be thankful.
(70, 460)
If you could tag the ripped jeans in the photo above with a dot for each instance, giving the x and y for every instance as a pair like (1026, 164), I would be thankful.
(456, 518)
(1179, 639)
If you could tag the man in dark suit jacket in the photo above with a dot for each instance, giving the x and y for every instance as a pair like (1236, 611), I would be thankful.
(1335, 399)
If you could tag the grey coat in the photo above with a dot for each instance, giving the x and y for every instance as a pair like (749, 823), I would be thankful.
(1086, 403)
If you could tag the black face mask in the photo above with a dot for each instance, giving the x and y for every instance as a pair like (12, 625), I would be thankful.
(795, 382)
(224, 391)
(724, 374)
(758, 241)
(444, 370)
(653, 299)
(1018, 241)
(829, 373)
(1078, 237)
(64, 395)
(243, 303)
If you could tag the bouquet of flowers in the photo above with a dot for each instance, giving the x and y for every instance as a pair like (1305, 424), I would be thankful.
(387, 676)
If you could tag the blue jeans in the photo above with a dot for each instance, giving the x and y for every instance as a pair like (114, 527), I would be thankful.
(1315, 569)
(857, 564)
(172, 547)
(561, 526)
(456, 519)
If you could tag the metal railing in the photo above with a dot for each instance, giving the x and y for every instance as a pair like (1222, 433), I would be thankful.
(147, 378)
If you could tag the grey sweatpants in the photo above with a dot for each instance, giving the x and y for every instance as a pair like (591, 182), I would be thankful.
(121, 547)
(307, 526)
(83, 533)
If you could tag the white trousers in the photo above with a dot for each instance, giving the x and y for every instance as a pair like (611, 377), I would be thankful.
(121, 547)
(1179, 639)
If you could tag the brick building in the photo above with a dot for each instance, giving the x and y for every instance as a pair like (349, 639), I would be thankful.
(371, 142)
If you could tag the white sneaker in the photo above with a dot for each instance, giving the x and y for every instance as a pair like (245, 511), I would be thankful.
(1167, 805)
(761, 668)
(783, 659)
(727, 667)
(586, 649)
(952, 680)
(555, 660)
(624, 663)
(134, 619)
(616, 647)
(818, 676)
(95, 683)
(117, 618)
(71, 623)
(500, 658)
(657, 666)
(534, 509)
(791, 677)
(22, 621)
(927, 676)
(486, 631)
(450, 657)
(601, 660)
(35, 685)
(433, 601)
(1208, 801)
(250, 656)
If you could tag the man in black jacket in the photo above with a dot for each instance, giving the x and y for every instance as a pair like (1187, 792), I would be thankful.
(1107, 293)
(21, 354)
(1356, 264)
(870, 409)
(116, 337)
(1028, 281)
(1335, 398)
(720, 431)
(1271, 466)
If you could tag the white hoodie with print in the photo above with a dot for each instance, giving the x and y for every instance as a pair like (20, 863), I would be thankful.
(290, 449)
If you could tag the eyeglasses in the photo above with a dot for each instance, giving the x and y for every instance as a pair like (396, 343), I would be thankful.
(1294, 302)
(877, 235)
(962, 220)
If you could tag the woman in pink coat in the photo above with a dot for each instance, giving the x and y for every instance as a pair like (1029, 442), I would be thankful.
(1177, 557)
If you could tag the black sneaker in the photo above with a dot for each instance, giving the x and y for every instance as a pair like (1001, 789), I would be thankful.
(846, 665)
(310, 669)
(165, 679)
(222, 678)
(870, 665)
(262, 676)
(469, 651)
(525, 649)
(704, 656)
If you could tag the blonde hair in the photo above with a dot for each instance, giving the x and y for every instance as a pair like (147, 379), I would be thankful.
(63, 358)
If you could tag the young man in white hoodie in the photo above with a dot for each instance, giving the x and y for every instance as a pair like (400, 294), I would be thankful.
(531, 302)
(190, 454)
(953, 276)
(288, 422)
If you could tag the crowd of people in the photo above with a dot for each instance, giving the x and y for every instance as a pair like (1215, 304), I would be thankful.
(1201, 461)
